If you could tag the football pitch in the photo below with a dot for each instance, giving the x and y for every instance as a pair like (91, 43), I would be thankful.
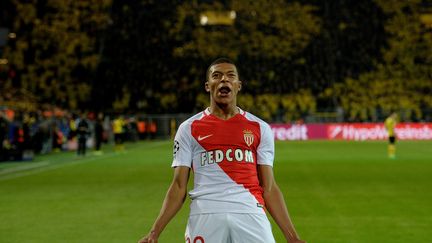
(335, 191)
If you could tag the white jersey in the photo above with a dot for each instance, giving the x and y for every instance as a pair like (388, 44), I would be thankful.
(224, 155)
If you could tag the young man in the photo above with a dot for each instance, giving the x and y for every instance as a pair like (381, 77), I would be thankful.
(390, 124)
(231, 153)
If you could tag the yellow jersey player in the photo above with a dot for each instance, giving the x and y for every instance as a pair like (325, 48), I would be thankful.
(390, 124)
(118, 129)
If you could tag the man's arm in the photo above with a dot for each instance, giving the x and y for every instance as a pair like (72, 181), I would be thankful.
(173, 202)
(275, 204)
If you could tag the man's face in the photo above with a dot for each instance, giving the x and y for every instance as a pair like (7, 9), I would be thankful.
(223, 83)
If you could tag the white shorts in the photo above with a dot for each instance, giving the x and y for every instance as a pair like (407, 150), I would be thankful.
(229, 228)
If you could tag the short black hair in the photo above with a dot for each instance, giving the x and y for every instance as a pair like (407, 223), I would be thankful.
(219, 61)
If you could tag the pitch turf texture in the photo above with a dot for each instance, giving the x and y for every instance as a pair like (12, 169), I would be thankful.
(336, 192)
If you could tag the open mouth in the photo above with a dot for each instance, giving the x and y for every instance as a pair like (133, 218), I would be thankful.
(224, 91)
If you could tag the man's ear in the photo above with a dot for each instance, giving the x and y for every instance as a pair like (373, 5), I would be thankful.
(207, 88)
(240, 85)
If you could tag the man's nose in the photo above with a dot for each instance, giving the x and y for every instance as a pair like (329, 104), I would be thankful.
(224, 78)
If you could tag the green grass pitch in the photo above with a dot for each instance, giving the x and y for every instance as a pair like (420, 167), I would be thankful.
(335, 191)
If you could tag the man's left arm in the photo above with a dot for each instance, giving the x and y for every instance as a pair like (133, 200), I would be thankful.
(275, 204)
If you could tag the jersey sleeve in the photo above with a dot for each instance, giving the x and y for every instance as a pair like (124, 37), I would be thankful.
(182, 151)
(265, 151)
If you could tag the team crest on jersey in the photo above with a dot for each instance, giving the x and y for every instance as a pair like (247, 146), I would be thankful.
(248, 137)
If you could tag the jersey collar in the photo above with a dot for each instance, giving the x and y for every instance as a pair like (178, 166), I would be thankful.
(207, 111)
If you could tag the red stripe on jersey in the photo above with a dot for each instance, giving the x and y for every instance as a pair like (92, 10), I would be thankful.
(232, 144)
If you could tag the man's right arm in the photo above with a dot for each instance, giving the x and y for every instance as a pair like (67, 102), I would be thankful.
(172, 203)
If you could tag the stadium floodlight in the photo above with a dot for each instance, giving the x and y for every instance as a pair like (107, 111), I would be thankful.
(12, 35)
(203, 20)
(218, 17)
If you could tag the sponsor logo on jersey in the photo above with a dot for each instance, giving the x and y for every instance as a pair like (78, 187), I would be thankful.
(204, 137)
(248, 137)
(230, 155)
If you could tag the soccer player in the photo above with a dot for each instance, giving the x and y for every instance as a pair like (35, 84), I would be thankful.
(231, 153)
(390, 124)
(82, 133)
(99, 132)
(118, 129)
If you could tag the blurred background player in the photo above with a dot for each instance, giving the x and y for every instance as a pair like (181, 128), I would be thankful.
(99, 132)
(3, 135)
(82, 133)
(390, 124)
(118, 129)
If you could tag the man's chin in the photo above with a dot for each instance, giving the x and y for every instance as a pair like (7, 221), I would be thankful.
(223, 102)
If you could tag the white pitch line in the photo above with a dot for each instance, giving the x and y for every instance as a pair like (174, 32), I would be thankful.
(24, 167)
(52, 165)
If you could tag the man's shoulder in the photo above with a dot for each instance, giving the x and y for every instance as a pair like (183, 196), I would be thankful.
(255, 118)
(193, 118)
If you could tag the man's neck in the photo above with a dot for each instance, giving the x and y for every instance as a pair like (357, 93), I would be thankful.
(224, 112)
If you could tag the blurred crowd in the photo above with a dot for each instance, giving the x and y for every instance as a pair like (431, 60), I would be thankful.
(26, 134)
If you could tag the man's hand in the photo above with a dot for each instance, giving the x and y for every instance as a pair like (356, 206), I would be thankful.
(151, 237)
(172, 203)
